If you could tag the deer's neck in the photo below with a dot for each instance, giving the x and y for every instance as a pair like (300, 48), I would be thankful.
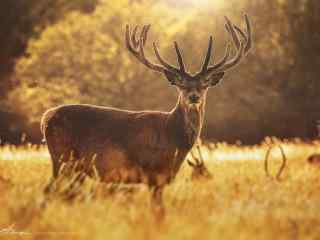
(185, 123)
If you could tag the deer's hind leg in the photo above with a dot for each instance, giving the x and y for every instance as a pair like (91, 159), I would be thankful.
(64, 159)
(68, 172)
(59, 156)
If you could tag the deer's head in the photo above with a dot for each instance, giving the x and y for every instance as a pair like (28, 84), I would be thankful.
(193, 88)
(199, 169)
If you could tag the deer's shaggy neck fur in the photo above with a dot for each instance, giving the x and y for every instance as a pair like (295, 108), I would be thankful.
(185, 122)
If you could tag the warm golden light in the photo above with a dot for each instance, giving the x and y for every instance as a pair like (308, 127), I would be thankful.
(203, 3)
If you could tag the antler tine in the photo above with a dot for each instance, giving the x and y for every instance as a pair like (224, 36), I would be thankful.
(208, 56)
(197, 161)
(179, 56)
(243, 35)
(230, 28)
(128, 44)
(241, 47)
(134, 37)
(200, 155)
(142, 35)
(247, 38)
(194, 157)
(131, 39)
(137, 49)
(249, 32)
(144, 60)
(191, 163)
(145, 35)
(163, 62)
(240, 50)
(192, 154)
(222, 61)
(234, 61)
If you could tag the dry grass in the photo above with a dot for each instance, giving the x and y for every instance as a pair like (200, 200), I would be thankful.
(240, 202)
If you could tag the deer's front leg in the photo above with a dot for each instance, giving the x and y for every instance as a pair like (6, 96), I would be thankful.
(157, 202)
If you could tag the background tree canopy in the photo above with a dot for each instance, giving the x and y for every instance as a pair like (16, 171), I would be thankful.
(74, 52)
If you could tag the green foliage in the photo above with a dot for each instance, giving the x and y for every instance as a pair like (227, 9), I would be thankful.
(84, 60)
(21, 20)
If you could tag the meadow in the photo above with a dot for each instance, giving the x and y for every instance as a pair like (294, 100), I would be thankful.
(239, 202)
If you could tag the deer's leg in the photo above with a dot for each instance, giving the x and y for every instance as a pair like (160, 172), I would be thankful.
(73, 187)
(56, 161)
(64, 167)
(157, 201)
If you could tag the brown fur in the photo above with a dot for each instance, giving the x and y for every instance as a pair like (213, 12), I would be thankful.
(136, 147)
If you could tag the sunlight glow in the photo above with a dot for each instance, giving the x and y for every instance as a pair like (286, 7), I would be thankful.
(202, 3)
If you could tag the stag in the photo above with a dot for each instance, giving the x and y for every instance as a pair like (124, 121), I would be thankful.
(314, 159)
(199, 169)
(140, 146)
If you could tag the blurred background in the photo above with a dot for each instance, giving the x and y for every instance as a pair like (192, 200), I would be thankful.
(61, 51)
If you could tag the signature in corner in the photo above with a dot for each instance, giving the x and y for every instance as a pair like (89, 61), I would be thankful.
(12, 231)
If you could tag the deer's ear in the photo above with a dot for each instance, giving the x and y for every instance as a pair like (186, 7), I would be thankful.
(172, 78)
(215, 78)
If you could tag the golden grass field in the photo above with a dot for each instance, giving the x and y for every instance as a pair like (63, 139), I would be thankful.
(240, 202)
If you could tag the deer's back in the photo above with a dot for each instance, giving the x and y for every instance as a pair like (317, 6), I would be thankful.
(93, 123)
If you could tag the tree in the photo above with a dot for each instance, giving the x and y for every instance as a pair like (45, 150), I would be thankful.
(22, 20)
(83, 59)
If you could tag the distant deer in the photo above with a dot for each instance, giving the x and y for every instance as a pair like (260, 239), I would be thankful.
(199, 169)
(314, 159)
(146, 146)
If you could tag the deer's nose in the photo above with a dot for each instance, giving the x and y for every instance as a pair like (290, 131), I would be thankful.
(194, 98)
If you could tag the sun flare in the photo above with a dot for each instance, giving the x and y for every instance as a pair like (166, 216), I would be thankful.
(202, 3)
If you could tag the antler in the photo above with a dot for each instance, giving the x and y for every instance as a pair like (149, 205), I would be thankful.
(198, 161)
(136, 47)
(200, 171)
(242, 49)
(193, 164)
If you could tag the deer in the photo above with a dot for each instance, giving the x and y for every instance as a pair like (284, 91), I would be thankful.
(199, 169)
(314, 159)
(141, 147)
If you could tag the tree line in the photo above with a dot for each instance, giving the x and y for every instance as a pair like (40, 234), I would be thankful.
(74, 52)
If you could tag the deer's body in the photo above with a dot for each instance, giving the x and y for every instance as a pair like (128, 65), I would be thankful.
(127, 146)
(140, 147)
